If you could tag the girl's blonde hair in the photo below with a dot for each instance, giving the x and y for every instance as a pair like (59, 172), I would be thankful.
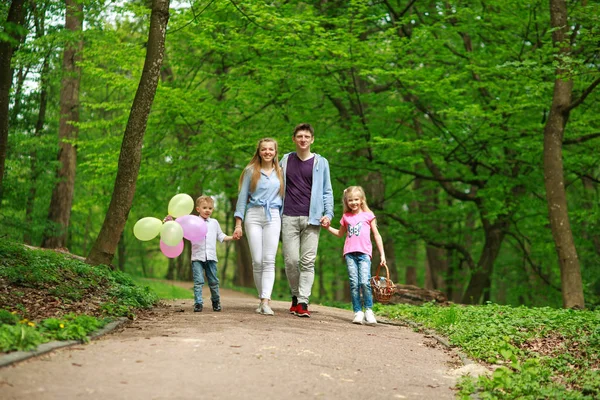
(255, 165)
(361, 194)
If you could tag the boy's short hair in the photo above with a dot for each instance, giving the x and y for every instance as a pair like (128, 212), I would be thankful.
(204, 199)
(304, 127)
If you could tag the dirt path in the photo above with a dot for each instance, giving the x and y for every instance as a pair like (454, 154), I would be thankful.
(173, 353)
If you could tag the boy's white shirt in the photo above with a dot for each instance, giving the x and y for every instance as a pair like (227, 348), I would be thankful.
(206, 250)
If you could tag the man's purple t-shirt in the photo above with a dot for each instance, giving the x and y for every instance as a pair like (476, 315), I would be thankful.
(298, 186)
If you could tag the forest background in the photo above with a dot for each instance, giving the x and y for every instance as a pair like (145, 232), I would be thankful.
(473, 127)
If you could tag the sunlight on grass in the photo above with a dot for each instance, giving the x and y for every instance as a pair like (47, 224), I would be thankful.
(164, 290)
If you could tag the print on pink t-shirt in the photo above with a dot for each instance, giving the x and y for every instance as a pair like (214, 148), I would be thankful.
(358, 235)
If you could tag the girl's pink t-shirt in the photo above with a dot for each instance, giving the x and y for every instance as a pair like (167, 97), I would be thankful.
(358, 232)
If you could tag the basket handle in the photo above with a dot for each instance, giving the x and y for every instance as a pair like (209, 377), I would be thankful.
(387, 272)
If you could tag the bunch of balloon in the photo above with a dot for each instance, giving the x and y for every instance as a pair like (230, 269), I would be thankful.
(172, 233)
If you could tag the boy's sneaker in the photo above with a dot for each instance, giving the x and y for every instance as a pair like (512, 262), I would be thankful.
(197, 307)
(216, 305)
(294, 307)
(370, 317)
(359, 317)
(302, 310)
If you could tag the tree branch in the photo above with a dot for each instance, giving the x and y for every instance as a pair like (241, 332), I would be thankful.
(583, 96)
(448, 246)
(536, 268)
(582, 139)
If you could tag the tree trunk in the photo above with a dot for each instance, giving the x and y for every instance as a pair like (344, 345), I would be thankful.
(570, 273)
(436, 268)
(436, 258)
(131, 149)
(481, 279)
(171, 270)
(59, 213)
(410, 273)
(184, 262)
(16, 16)
(243, 274)
(122, 254)
(39, 128)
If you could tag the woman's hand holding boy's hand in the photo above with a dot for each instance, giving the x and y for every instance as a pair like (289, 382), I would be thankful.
(238, 233)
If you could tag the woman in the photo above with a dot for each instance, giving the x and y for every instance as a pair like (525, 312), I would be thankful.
(260, 200)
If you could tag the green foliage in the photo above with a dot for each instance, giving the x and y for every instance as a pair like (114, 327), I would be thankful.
(22, 334)
(70, 327)
(56, 275)
(164, 290)
(19, 337)
(537, 352)
(468, 84)
(8, 318)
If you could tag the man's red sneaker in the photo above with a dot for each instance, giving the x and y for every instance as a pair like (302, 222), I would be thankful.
(294, 307)
(302, 310)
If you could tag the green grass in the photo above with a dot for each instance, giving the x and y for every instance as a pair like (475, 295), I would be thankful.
(537, 353)
(165, 290)
(78, 298)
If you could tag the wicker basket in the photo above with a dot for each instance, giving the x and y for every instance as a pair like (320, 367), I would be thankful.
(382, 286)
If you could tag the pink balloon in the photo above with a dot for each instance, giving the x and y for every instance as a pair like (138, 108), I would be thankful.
(171, 251)
(194, 227)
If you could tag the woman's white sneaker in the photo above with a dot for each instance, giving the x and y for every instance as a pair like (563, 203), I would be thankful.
(266, 310)
(370, 317)
(359, 317)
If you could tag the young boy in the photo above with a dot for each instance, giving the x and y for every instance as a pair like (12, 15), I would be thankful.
(308, 204)
(204, 255)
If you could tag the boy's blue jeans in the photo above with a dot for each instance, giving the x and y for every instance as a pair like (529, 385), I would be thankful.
(359, 272)
(198, 270)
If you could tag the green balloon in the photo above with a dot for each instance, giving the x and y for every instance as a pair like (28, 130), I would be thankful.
(180, 205)
(147, 228)
(171, 233)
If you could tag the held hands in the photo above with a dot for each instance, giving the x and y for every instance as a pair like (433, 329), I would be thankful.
(325, 222)
(238, 233)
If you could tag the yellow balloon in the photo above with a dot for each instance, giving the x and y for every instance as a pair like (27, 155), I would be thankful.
(181, 204)
(171, 233)
(147, 228)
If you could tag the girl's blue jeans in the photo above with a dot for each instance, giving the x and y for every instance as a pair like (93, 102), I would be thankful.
(198, 270)
(359, 272)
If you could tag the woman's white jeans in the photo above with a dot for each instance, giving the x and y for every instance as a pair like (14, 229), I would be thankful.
(263, 239)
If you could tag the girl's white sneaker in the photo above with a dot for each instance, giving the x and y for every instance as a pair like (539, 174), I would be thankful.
(370, 317)
(359, 317)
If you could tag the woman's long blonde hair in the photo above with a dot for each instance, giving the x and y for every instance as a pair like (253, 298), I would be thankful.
(361, 194)
(255, 165)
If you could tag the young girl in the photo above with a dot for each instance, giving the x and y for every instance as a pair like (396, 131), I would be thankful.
(357, 223)
(258, 206)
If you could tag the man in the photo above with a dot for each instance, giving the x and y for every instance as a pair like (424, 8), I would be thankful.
(308, 205)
